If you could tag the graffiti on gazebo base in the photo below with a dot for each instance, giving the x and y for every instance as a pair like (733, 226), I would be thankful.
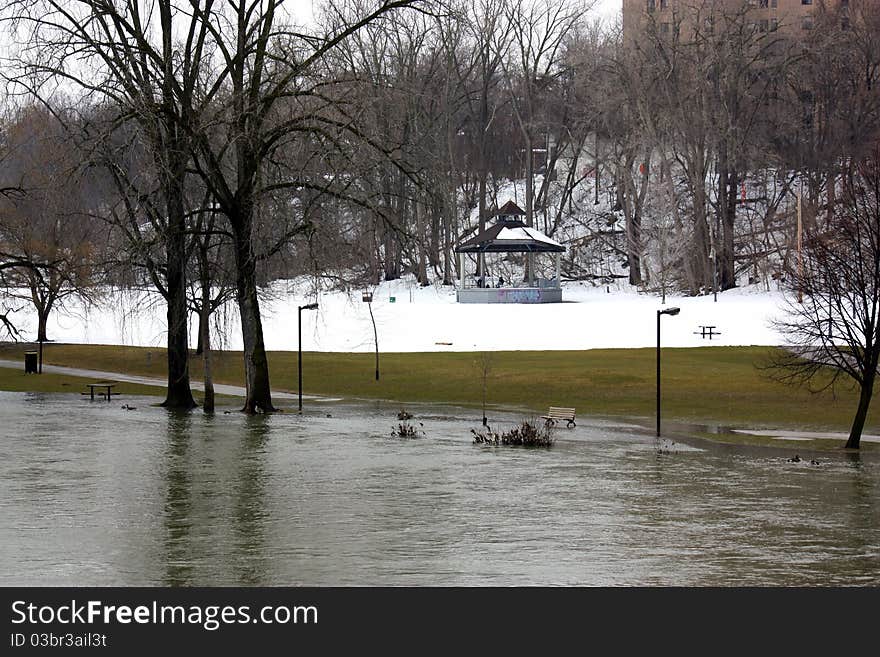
(510, 295)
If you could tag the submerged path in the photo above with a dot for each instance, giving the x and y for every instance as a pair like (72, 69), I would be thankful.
(219, 388)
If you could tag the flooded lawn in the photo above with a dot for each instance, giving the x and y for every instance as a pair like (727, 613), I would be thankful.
(92, 494)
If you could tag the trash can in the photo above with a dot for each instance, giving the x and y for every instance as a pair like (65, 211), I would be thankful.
(392, 299)
(30, 362)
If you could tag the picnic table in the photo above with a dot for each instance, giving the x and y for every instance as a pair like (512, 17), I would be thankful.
(707, 332)
(108, 387)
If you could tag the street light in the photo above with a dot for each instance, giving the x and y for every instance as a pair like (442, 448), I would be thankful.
(299, 361)
(665, 311)
(367, 297)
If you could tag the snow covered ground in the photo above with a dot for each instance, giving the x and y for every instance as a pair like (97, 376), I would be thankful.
(429, 319)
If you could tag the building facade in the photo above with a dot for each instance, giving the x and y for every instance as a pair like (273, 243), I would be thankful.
(666, 16)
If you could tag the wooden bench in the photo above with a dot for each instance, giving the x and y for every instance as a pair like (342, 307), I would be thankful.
(555, 414)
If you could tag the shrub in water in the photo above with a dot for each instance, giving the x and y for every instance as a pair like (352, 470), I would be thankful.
(405, 429)
(527, 434)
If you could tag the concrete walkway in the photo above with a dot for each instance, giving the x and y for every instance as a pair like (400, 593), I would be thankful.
(97, 375)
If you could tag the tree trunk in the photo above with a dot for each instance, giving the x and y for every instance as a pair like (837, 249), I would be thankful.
(391, 273)
(635, 236)
(449, 269)
(831, 194)
(481, 201)
(200, 347)
(530, 207)
(376, 250)
(631, 201)
(482, 147)
(388, 235)
(402, 227)
(420, 244)
(867, 391)
(701, 273)
(728, 182)
(728, 221)
(434, 248)
(205, 342)
(42, 320)
(43, 300)
(170, 153)
(179, 394)
(256, 365)
(633, 249)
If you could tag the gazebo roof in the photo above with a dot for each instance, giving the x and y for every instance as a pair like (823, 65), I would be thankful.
(510, 237)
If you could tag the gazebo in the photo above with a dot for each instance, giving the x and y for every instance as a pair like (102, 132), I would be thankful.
(509, 235)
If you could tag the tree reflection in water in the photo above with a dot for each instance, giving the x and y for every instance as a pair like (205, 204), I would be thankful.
(214, 499)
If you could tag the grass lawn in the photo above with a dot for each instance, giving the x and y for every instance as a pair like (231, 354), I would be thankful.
(14, 380)
(707, 385)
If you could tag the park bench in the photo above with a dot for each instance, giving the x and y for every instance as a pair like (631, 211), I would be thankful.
(556, 414)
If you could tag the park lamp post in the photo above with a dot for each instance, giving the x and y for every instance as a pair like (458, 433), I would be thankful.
(367, 297)
(299, 360)
(665, 311)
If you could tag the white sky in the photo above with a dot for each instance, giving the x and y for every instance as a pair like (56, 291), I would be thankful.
(303, 9)
(609, 8)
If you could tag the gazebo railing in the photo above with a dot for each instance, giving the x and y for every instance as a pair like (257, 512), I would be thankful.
(472, 281)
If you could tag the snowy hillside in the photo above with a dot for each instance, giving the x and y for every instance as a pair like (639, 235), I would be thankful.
(429, 319)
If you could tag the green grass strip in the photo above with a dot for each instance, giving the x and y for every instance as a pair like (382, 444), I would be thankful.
(710, 385)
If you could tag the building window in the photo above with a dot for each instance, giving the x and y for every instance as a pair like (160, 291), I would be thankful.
(664, 28)
(763, 25)
(806, 2)
(844, 23)
(807, 23)
(773, 3)
(664, 4)
(774, 24)
(762, 4)
(652, 5)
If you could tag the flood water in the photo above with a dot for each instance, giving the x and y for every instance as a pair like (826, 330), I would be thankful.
(92, 494)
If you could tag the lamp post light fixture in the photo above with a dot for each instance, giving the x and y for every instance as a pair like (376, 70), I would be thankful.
(299, 360)
(665, 311)
(367, 297)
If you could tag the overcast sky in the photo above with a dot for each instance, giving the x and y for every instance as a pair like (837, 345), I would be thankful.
(606, 8)
(610, 7)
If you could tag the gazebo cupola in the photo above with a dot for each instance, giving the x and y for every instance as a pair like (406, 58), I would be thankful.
(510, 212)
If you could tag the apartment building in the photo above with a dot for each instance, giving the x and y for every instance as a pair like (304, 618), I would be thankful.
(792, 16)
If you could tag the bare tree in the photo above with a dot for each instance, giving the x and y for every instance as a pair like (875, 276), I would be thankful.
(488, 30)
(145, 59)
(47, 225)
(214, 87)
(835, 330)
(744, 65)
(263, 94)
(538, 34)
(214, 283)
